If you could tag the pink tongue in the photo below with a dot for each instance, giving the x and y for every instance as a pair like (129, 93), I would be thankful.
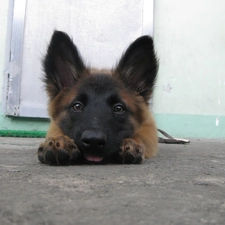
(93, 158)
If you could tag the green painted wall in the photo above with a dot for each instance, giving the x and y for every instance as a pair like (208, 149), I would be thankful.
(192, 126)
(189, 98)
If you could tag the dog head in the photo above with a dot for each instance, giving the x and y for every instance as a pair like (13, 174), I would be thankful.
(99, 109)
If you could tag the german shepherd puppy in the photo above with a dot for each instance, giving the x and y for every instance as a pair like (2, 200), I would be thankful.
(96, 116)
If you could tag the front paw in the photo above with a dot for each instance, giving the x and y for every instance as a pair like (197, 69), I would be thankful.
(58, 151)
(131, 152)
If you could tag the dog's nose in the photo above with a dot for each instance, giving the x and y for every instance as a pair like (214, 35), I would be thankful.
(93, 139)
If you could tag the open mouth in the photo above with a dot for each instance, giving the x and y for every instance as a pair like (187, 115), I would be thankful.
(92, 158)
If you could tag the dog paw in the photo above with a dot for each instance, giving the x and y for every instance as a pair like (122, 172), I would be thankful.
(131, 152)
(58, 151)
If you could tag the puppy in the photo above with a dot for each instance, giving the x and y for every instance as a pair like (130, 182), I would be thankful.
(96, 116)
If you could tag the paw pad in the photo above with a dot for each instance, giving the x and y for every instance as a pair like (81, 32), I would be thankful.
(57, 144)
(131, 152)
(58, 151)
(138, 150)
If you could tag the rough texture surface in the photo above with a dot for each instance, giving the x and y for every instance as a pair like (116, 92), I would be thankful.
(183, 184)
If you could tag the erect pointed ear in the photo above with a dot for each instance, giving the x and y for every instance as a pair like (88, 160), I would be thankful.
(138, 67)
(62, 64)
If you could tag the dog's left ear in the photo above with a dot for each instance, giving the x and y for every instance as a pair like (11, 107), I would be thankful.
(138, 67)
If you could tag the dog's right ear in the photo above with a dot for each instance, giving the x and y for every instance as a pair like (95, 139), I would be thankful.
(62, 64)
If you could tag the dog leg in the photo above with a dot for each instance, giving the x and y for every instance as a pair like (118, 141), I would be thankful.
(131, 152)
(59, 150)
(142, 145)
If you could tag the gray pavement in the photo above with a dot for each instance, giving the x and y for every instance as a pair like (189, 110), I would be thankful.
(183, 184)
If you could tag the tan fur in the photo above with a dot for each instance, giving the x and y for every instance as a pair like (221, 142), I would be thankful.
(145, 132)
(55, 106)
(147, 136)
(100, 71)
(54, 130)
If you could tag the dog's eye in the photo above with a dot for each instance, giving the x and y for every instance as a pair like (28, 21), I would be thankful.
(78, 107)
(118, 109)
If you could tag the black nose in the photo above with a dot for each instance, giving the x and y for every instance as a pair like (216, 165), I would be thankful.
(93, 139)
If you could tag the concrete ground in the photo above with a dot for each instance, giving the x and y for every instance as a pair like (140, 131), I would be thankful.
(183, 184)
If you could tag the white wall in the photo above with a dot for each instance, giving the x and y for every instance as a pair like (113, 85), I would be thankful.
(3, 34)
(190, 42)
